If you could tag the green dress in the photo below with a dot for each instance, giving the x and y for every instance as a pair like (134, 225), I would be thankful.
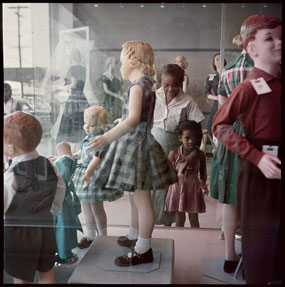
(224, 170)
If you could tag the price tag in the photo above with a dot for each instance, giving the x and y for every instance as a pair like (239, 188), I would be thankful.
(270, 149)
(211, 77)
(260, 86)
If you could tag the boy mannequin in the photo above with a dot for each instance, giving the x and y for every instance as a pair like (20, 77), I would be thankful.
(256, 102)
(33, 192)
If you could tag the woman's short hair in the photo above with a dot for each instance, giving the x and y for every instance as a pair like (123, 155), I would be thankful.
(173, 70)
(213, 63)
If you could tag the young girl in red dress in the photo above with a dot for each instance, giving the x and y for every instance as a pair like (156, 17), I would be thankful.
(187, 195)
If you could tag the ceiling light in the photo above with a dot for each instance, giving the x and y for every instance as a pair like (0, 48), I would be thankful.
(96, 5)
(141, 5)
(204, 6)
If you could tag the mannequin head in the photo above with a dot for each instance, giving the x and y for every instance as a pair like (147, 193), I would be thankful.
(75, 56)
(95, 119)
(251, 26)
(7, 92)
(22, 134)
(262, 38)
(139, 53)
(111, 62)
(181, 62)
(216, 62)
(172, 77)
(63, 148)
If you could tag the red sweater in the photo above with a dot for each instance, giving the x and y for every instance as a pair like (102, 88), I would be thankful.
(261, 121)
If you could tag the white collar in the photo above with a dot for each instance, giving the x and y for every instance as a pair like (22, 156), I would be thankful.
(109, 75)
(23, 157)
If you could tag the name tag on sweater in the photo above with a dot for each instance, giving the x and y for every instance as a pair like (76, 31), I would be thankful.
(260, 86)
(270, 149)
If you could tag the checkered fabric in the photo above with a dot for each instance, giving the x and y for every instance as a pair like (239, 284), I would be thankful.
(234, 73)
(136, 161)
(92, 194)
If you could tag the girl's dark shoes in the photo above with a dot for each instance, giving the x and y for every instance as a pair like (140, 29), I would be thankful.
(126, 242)
(134, 258)
(230, 266)
(70, 260)
(84, 243)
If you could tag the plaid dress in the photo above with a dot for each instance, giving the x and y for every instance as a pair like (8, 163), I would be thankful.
(136, 161)
(92, 194)
(224, 171)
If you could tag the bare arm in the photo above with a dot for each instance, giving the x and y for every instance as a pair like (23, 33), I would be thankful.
(125, 126)
(89, 171)
(221, 99)
(203, 173)
(185, 83)
(212, 97)
(109, 92)
(171, 157)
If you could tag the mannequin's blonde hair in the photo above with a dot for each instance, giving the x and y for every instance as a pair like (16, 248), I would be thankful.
(98, 113)
(182, 59)
(142, 52)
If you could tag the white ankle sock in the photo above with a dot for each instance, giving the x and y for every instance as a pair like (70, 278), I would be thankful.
(90, 233)
(133, 233)
(142, 245)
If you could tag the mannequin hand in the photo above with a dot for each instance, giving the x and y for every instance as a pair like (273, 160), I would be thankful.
(268, 167)
(117, 121)
(205, 191)
(121, 98)
(52, 158)
(86, 178)
(97, 143)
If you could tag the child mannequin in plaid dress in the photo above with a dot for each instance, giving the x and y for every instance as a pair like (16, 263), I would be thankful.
(91, 198)
(135, 162)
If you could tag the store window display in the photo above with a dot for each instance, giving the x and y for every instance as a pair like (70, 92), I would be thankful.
(33, 192)
(182, 62)
(172, 106)
(72, 103)
(211, 93)
(135, 162)
(112, 86)
(256, 102)
(187, 195)
(224, 170)
(67, 223)
(90, 195)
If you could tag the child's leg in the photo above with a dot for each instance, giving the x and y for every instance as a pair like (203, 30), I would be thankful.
(89, 220)
(20, 281)
(47, 277)
(180, 219)
(142, 199)
(230, 226)
(100, 217)
(134, 228)
(194, 220)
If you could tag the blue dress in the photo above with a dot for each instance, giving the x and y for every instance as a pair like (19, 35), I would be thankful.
(67, 223)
